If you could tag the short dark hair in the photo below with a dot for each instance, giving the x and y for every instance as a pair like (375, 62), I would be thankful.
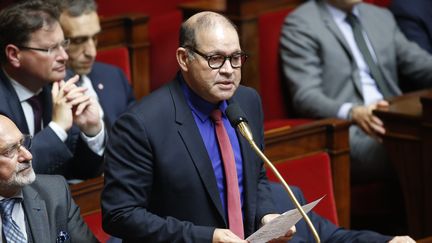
(77, 8)
(19, 21)
(187, 35)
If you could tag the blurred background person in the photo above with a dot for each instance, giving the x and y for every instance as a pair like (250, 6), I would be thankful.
(105, 83)
(415, 20)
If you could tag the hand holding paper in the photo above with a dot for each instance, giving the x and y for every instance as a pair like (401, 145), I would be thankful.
(280, 225)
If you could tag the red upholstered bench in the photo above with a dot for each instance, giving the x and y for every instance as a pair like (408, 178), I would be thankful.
(94, 222)
(118, 56)
(313, 175)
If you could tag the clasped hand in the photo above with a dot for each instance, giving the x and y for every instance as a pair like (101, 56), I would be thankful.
(71, 105)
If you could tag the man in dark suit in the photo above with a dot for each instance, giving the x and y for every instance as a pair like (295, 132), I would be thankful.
(415, 20)
(69, 134)
(40, 206)
(329, 74)
(105, 83)
(327, 231)
(165, 179)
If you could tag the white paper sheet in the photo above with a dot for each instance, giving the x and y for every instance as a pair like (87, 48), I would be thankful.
(280, 225)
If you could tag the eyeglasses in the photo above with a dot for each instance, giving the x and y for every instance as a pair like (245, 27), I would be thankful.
(216, 61)
(63, 44)
(11, 151)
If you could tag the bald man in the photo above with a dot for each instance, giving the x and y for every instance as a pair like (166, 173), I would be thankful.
(42, 206)
(165, 180)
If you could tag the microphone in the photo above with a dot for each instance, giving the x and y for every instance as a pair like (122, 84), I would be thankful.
(238, 120)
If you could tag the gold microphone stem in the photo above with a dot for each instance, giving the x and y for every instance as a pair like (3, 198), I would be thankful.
(244, 130)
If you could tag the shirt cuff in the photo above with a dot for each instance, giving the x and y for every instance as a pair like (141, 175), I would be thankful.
(96, 143)
(344, 111)
(60, 132)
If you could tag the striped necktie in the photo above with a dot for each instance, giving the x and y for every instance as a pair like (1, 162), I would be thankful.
(11, 230)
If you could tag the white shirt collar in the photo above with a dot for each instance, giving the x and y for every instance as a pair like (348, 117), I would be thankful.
(22, 92)
(340, 15)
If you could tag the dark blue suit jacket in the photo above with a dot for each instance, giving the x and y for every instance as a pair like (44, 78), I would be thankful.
(327, 231)
(72, 158)
(113, 89)
(415, 20)
(160, 185)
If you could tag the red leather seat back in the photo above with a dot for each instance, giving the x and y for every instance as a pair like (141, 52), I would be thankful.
(163, 34)
(94, 222)
(275, 109)
(269, 29)
(118, 56)
(381, 3)
(313, 175)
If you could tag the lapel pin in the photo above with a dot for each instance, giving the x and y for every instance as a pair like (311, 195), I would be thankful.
(100, 86)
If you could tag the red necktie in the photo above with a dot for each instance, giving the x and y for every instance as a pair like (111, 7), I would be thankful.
(235, 219)
(36, 104)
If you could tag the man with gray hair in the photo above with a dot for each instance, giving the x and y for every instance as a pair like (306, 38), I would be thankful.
(34, 208)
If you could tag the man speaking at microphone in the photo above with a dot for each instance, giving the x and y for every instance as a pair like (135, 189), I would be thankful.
(176, 171)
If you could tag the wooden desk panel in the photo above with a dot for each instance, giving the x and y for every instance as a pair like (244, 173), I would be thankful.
(408, 140)
(87, 195)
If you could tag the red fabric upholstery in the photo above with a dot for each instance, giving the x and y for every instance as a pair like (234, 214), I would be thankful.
(151, 8)
(275, 110)
(94, 222)
(118, 57)
(313, 175)
(163, 34)
(269, 29)
(381, 3)
(164, 24)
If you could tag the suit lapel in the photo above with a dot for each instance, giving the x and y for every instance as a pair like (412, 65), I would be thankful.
(249, 184)
(37, 215)
(102, 96)
(191, 137)
(374, 34)
(331, 25)
(47, 105)
(15, 111)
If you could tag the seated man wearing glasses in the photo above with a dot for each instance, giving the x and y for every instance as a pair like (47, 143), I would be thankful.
(105, 83)
(69, 134)
(34, 208)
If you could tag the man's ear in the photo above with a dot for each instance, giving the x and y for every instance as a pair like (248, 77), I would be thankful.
(182, 58)
(13, 55)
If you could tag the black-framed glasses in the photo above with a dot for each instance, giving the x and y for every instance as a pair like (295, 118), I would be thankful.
(216, 61)
(12, 150)
(63, 44)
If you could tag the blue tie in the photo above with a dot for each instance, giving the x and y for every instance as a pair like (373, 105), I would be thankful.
(11, 230)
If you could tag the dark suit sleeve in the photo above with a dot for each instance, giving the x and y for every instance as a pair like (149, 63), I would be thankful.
(72, 158)
(265, 202)
(127, 193)
(413, 18)
(327, 231)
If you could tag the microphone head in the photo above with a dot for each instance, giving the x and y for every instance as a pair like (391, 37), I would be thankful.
(235, 114)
